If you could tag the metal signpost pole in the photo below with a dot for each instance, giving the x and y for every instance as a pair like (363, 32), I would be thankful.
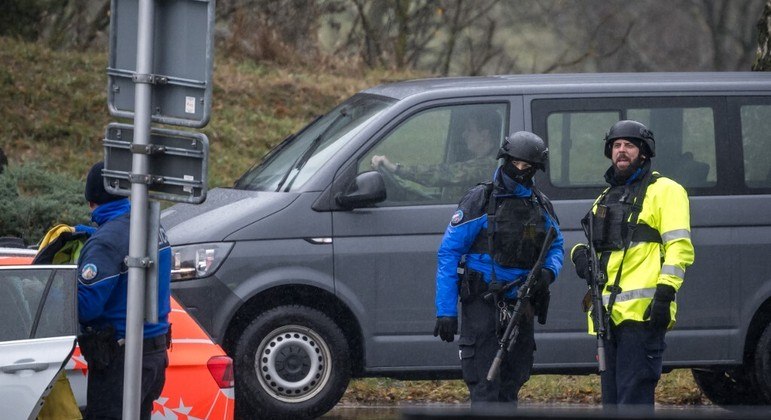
(166, 80)
(137, 260)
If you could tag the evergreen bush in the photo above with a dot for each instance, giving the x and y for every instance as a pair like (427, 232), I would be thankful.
(32, 200)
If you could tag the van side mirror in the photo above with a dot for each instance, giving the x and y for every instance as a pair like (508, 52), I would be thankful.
(367, 188)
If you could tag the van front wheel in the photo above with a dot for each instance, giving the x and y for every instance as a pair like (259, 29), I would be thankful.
(291, 362)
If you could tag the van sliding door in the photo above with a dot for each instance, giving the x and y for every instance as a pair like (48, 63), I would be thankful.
(694, 146)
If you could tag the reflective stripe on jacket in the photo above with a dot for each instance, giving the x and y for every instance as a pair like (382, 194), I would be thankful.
(646, 264)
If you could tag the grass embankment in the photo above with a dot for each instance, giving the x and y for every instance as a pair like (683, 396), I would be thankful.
(676, 387)
(53, 106)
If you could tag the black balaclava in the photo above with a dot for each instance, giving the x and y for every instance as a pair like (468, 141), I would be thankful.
(522, 177)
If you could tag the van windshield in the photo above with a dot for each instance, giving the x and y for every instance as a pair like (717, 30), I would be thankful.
(293, 162)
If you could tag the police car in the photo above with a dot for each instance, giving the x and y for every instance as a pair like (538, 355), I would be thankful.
(38, 326)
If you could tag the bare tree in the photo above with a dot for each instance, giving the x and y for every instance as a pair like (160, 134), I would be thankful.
(285, 31)
(417, 34)
(447, 37)
(370, 21)
(466, 16)
(61, 24)
(763, 54)
(616, 35)
(729, 28)
(395, 32)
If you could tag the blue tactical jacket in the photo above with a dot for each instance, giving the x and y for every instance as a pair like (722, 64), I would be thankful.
(466, 223)
(103, 276)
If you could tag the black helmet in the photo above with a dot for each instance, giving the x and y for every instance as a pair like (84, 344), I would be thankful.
(525, 146)
(631, 130)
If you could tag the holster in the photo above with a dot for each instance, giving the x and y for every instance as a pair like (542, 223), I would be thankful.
(168, 337)
(541, 304)
(472, 285)
(98, 347)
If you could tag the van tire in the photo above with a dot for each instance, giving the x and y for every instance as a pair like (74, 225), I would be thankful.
(302, 370)
(727, 386)
(763, 364)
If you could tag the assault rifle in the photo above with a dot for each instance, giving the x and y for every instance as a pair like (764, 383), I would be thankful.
(523, 296)
(596, 282)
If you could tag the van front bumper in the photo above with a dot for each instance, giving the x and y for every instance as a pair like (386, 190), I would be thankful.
(204, 299)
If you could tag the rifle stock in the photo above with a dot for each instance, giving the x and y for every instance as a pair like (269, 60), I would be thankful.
(523, 294)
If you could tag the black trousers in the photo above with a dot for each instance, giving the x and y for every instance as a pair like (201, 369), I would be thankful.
(633, 354)
(105, 386)
(478, 346)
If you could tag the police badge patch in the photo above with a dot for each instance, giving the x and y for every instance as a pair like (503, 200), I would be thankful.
(457, 217)
(89, 272)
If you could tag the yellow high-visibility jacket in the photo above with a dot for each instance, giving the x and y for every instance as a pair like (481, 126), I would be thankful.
(646, 264)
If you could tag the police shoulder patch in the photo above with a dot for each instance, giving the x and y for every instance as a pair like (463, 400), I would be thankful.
(457, 217)
(88, 272)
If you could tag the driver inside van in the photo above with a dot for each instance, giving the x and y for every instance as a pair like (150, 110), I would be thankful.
(481, 137)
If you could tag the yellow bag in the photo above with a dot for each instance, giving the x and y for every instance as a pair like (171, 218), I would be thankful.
(53, 233)
(60, 404)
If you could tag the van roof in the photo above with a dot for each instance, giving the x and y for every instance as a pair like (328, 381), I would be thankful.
(577, 82)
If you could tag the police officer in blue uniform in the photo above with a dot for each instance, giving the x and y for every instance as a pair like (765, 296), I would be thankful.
(488, 260)
(102, 294)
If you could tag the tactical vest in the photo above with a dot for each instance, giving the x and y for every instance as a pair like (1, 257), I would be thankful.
(518, 233)
(611, 220)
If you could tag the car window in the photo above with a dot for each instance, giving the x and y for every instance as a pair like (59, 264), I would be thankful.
(22, 293)
(290, 164)
(756, 126)
(685, 143)
(440, 153)
(59, 310)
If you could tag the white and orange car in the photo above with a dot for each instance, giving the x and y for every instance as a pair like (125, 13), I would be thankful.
(38, 324)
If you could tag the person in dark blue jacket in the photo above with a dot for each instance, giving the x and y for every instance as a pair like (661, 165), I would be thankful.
(522, 216)
(102, 296)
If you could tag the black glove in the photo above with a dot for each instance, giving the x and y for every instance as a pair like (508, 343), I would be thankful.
(581, 261)
(446, 328)
(658, 310)
(545, 278)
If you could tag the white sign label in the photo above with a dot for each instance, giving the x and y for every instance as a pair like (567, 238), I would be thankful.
(189, 104)
(188, 178)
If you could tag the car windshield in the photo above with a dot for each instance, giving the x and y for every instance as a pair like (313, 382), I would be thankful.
(290, 164)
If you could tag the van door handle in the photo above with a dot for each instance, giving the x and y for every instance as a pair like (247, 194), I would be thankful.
(31, 365)
(319, 241)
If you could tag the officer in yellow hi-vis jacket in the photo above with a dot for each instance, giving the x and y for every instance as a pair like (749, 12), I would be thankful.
(640, 230)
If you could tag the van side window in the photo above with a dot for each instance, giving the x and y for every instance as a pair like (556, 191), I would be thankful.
(756, 130)
(685, 143)
(685, 138)
(575, 147)
(436, 155)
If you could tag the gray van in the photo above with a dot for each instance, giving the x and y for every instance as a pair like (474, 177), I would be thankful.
(314, 268)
